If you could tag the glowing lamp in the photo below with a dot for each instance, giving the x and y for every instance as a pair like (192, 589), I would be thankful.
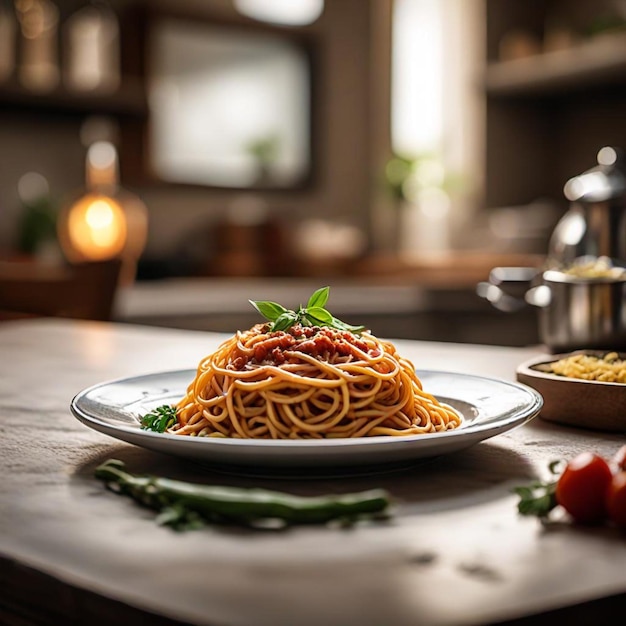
(96, 229)
(106, 221)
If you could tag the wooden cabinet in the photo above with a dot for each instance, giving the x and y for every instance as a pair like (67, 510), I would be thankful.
(548, 113)
(39, 109)
(128, 100)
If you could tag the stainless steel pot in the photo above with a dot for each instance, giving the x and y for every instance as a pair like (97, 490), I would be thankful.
(574, 312)
(577, 310)
(577, 313)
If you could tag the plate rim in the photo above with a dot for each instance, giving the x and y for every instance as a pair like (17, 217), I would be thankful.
(519, 418)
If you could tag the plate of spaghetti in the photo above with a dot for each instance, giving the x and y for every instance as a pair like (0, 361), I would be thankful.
(308, 390)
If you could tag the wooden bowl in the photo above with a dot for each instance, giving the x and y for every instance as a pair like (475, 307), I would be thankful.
(576, 402)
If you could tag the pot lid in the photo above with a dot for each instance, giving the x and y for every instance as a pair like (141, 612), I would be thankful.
(605, 181)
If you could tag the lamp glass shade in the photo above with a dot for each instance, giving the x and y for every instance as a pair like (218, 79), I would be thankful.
(106, 221)
(95, 229)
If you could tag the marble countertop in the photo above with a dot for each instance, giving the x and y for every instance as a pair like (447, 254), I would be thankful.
(455, 552)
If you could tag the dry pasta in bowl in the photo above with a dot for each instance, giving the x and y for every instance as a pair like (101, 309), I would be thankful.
(585, 388)
(607, 367)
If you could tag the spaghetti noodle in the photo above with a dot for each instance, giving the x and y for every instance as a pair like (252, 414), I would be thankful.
(308, 382)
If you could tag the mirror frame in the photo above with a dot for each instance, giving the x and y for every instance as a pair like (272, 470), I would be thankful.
(135, 134)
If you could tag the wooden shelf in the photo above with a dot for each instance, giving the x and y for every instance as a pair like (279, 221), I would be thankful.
(601, 60)
(449, 270)
(129, 100)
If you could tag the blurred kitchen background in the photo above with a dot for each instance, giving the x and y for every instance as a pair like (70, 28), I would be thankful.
(162, 162)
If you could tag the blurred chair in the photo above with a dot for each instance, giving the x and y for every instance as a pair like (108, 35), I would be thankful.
(79, 291)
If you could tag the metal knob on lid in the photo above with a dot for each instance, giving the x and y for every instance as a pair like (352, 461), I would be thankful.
(603, 182)
(595, 224)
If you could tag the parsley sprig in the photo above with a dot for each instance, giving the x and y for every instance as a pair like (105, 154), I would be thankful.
(159, 419)
(539, 497)
(314, 314)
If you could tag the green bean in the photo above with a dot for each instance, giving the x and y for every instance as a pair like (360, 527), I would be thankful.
(184, 505)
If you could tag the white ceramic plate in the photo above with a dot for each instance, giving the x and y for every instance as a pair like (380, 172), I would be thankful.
(489, 407)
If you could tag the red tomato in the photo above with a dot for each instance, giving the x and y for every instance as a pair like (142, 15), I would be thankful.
(616, 499)
(582, 488)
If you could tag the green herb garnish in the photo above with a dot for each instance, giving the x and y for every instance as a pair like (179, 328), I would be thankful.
(538, 498)
(159, 419)
(314, 314)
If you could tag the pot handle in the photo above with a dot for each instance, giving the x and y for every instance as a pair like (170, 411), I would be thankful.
(507, 287)
(539, 296)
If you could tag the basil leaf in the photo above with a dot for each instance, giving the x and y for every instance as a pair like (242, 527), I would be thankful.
(269, 310)
(318, 315)
(315, 314)
(285, 320)
(339, 325)
(319, 298)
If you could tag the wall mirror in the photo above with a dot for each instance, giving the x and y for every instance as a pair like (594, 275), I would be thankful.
(230, 104)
